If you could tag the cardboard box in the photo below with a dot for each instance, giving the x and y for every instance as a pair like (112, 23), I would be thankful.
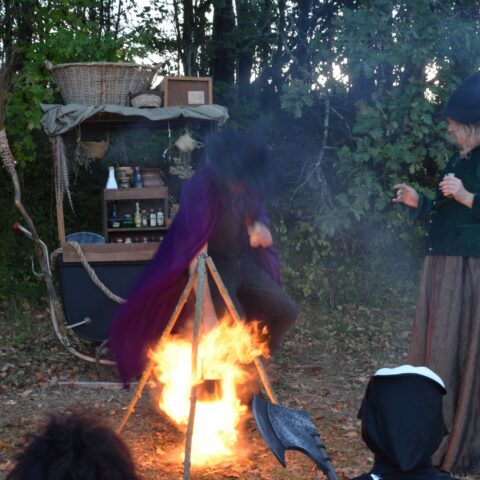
(186, 91)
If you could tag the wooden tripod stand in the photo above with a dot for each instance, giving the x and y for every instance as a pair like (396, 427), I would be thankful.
(199, 275)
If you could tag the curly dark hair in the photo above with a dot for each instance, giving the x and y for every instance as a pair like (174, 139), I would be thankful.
(74, 447)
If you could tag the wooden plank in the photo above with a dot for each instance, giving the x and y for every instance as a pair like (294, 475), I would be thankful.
(111, 252)
(113, 121)
(144, 193)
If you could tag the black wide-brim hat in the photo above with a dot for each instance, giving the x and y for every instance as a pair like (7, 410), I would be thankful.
(464, 104)
(240, 157)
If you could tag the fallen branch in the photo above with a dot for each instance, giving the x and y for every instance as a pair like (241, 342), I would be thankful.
(95, 385)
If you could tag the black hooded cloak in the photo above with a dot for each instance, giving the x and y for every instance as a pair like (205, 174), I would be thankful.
(402, 423)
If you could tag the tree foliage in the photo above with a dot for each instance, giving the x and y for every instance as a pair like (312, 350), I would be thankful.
(350, 90)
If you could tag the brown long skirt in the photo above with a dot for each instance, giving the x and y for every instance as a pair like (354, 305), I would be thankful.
(445, 338)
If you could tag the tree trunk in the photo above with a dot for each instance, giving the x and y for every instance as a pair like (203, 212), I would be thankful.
(187, 37)
(277, 61)
(302, 68)
(223, 51)
(21, 14)
(246, 37)
(202, 25)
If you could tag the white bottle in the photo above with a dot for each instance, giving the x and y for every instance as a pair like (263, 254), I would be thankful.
(153, 218)
(160, 219)
(111, 182)
(450, 174)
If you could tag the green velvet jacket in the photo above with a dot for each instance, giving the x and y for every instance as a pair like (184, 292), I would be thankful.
(453, 228)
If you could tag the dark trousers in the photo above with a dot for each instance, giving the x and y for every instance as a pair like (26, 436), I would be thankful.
(253, 293)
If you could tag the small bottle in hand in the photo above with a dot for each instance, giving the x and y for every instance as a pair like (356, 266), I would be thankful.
(450, 174)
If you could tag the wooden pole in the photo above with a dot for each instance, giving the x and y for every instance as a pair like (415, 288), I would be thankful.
(233, 312)
(59, 204)
(196, 337)
(262, 372)
(151, 364)
(138, 393)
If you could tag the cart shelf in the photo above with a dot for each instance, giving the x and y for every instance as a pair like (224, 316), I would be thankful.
(111, 252)
(145, 193)
(137, 229)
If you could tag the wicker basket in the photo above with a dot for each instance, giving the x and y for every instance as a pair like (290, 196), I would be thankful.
(100, 83)
(96, 149)
(147, 100)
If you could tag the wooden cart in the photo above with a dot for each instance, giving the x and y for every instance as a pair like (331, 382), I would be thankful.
(95, 277)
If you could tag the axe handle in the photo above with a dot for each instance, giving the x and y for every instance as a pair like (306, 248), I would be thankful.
(265, 380)
(331, 475)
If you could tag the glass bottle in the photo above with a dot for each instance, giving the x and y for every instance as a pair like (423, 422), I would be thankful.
(138, 216)
(137, 178)
(114, 215)
(112, 219)
(160, 218)
(144, 218)
(450, 174)
(111, 182)
(153, 218)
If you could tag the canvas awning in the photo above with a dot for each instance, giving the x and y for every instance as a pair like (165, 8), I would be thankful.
(58, 119)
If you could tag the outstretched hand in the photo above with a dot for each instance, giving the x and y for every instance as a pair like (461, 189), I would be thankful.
(259, 235)
(406, 195)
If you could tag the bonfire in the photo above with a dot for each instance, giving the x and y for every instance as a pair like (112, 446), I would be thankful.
(222, 377)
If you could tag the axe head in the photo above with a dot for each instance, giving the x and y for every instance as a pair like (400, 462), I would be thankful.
(285, 428)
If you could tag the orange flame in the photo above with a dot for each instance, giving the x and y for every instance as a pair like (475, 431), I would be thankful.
(223, 353)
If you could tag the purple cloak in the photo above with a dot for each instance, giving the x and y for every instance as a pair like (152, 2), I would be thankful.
(139, 323)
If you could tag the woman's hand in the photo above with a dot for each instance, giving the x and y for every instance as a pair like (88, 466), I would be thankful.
(406, 195)
(259, 235)
(452, 186)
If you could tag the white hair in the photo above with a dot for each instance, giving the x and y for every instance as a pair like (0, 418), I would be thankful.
(467, 136)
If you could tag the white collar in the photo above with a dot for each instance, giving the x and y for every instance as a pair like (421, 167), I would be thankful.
(408, 369)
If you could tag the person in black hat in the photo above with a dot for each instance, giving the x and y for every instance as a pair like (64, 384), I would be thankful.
(402, 423)
(446, 331)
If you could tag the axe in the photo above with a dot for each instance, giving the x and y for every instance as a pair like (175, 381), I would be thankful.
(285, 428)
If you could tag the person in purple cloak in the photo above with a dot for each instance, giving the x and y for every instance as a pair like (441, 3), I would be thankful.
(220, 212)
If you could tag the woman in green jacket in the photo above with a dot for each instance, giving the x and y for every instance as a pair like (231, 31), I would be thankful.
(446, 332)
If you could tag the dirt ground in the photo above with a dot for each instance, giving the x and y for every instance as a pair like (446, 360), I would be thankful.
(323, 368)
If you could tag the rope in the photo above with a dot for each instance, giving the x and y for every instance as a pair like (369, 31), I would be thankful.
(53, 257)
(5, 152)
(93, 276)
